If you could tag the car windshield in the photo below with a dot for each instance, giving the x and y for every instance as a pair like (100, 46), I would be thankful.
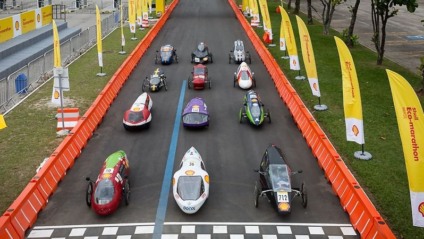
(239, 48)
(154, 80)
(195, 118)
(190, 187)
(199, 71)
(255, 110)
(104, 192)
(280, 178)
(135, 116)
(244, 75)
(165, 54)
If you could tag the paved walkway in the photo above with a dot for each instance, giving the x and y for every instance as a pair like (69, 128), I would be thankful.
(405, 32)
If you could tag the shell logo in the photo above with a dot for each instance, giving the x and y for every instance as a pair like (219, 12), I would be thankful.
(56, 94)
(294, 62)
(283, 206)
(38, 18)
(355, 130)
(17, 25)
(315, 86)
(421, 208)
(255, 18)
(132, 28)
(189, 172)
(136, 109)
(281, 43)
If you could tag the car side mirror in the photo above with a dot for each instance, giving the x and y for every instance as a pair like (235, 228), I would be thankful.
(253, 73)
(88, 179)
(157, 51)
(300, 171)
(244, 103)
(231, 51)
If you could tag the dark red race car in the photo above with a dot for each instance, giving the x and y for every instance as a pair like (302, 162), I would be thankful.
(105, 194)
(199, 78)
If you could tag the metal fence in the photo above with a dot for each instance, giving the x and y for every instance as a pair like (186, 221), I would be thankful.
(16, 87)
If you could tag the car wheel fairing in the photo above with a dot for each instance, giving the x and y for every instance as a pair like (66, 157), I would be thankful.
(89, 193)
(304, 195)
(127, 192)
(242, 114)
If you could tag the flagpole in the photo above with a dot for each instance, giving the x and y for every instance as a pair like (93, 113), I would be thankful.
(300, 77)
(285, 56)
(319, 106)
(364, 155)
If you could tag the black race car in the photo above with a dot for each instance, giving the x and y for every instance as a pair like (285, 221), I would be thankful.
(201, 55)
(275, 181)
(155, 81)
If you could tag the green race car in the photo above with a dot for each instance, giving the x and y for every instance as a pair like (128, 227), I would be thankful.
(253, 109)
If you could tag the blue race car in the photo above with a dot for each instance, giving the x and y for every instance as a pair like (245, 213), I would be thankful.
(167, 55)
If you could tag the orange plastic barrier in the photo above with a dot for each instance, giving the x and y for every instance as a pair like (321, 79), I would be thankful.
(23, 212)
(363, 215)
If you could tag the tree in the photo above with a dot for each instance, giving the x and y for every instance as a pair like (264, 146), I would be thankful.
(329, 6)
(310, 19)
(296, 7)
(289, 4)
(382, 10)
(350, 37)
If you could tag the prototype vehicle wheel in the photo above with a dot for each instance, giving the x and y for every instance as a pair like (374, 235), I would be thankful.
(127, 192)
(256, 194)
(242, 114)
(176, 58)
(210, 83)
(189, 82)
(268, 115)
(165, 85)
(156, 60)
(234, 81)
(304, 195)
(126, 127)
(89, 193)
(254, 82)
(211, 58)
(248, 58)
(229, 58)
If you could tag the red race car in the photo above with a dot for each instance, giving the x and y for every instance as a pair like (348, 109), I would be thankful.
(199, 78)
(139, 114)
(105, 194)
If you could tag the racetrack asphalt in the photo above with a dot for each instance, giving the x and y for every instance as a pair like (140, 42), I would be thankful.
(230, 150)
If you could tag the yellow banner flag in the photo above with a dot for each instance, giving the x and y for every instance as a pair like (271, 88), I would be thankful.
(254, 21)
(282, 37)
(265, 17)
(245, 6)
(290, 40)
(99, 37)
(131, 15)
(351, 95)
(2, 122)
(410, 119)
(139, 5)
(308, 56)
(122, 27)
(56, 47)
(160, 7)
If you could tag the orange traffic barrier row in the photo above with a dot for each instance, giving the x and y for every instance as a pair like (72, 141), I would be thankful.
(362, 213)
(23, 212)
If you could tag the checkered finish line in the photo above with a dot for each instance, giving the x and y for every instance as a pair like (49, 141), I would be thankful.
(174, 230)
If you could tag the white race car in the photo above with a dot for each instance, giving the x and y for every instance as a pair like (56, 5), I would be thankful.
(191, 182)
(139, 113)
(244, 77)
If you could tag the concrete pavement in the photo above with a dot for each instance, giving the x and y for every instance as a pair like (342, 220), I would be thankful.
(405, 32)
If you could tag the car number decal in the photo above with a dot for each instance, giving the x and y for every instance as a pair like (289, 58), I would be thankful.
(282, 197)
(195, 108)
(108, 170)
(196, 59)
